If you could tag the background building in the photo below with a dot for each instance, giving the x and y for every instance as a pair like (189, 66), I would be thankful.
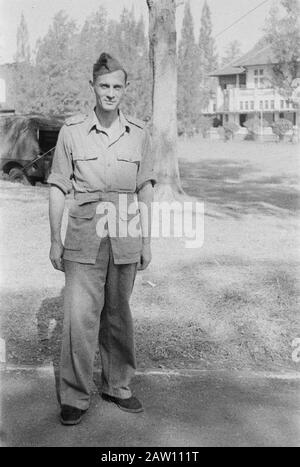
(7, 92)
(245, 88)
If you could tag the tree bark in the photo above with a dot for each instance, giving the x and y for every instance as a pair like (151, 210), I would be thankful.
(163, 59)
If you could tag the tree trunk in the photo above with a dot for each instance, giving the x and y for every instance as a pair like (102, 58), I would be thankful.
(163, 59)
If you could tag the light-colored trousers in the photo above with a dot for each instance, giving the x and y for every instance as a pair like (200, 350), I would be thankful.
(96, 309)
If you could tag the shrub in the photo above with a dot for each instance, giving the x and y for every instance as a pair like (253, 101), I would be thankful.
(281, 127)
(253, 125)
(204, 125)
(216, 122)
(230, 129)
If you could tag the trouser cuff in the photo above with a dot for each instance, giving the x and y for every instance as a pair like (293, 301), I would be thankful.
(121, 393)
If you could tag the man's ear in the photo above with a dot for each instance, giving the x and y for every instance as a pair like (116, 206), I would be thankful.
(127, 84)
(91, 84)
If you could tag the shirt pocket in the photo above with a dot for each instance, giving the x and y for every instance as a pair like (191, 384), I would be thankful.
(77, 156)
(127, 169)
(81, 229)
(83, 211)
(130, 157)
(86, 167)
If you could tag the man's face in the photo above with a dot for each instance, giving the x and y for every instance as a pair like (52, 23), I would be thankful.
(109, 90)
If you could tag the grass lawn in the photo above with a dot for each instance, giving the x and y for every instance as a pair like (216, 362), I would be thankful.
(233, 303)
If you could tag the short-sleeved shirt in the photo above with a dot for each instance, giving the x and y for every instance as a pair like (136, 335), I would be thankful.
(99, 165)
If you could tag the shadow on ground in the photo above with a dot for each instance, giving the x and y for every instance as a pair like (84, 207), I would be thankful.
(211, 409)
(32, 338)
(226, 185)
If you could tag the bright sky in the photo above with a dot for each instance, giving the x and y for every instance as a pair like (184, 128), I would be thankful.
(39, 14)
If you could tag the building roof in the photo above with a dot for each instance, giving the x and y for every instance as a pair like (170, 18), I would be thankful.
(231, 69)
(261, 54)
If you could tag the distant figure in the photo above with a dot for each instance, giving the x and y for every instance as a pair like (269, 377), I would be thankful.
(104, 156)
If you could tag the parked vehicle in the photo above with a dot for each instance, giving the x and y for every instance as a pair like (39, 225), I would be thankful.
(27, 146)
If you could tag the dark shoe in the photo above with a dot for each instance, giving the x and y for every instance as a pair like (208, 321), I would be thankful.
(132, 404)
(71, 415)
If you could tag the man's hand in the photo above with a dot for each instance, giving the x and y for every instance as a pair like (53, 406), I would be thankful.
(56, 253)
(146, 257)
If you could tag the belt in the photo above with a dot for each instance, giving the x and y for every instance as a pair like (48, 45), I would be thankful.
(98, 196)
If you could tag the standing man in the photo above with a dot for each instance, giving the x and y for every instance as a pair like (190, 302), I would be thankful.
(106, 158)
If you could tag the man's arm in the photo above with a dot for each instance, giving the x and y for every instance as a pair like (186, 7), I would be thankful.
(146, 179)
(60, 181)
(56, 209)
(145, 198)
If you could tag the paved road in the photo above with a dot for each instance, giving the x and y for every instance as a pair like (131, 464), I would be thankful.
(192, 409)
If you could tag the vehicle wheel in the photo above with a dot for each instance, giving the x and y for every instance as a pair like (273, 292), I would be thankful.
(16, 175)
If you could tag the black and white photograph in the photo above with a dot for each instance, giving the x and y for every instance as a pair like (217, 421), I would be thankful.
(150, 226)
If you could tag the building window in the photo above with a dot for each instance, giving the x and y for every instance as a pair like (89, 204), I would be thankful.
(281, 104)
(215, 107)
(241, 106)
(226, 118)
(267, 105)
(287, 104)
(261, 105)
(252, 105)
(272, 105)
(259, 80)
(246, 105)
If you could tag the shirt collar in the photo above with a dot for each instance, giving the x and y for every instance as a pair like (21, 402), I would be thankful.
(93, 122)
(124, 122)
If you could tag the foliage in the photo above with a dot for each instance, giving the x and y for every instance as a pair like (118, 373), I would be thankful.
(232, 53)
(208, 60)
(58, 81)
(23, 47)
(204, 125)
(230, 128)
(188, 84)
(254, 124)
(283, 34)
(57, 68)
(24, 86)
(195, 64)
(281, 127)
